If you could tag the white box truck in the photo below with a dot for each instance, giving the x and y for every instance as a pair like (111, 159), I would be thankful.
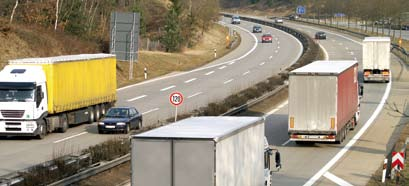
(376, 59)
(202, 151)
(323, 101)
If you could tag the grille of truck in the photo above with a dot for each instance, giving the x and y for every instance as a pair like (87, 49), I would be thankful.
(12, 113)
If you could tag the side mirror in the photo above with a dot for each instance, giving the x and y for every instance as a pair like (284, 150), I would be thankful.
(361, 90)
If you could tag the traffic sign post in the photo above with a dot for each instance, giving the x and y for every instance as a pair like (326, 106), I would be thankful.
(176, 98)
(398, 160)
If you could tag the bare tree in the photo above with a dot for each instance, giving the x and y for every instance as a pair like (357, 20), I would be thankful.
(14, 10)
(56, 14)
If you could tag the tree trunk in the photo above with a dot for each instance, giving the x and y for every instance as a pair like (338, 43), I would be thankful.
(56, 15)
(14, 10)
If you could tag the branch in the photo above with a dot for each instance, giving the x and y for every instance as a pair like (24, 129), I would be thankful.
(14, 10)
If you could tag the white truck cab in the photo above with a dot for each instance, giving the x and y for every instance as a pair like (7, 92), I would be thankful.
(23, 99)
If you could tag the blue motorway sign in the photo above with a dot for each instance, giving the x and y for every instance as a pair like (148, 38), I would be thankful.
(300, 10)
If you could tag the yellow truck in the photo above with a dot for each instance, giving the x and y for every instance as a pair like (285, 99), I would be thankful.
(42, 95)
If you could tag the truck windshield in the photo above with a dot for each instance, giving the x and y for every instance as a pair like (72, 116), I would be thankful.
(17, 91)
(17, 95)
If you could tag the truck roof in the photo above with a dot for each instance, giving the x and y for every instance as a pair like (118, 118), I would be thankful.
(325, 67)
(56, 59)
(370, 39)
(216, 128)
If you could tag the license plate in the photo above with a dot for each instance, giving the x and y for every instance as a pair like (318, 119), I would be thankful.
(109, 127)
(313, 137)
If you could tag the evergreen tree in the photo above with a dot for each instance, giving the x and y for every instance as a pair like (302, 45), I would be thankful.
(172, 39)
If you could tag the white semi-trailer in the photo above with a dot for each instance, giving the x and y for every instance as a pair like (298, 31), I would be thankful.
(203, 151)
(376, 59)
(323, 101)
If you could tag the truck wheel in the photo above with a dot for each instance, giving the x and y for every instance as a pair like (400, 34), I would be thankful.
(139, 126)
(91, 115)
(42, 129)
(64, 124)
(103, 108)
(97, 113)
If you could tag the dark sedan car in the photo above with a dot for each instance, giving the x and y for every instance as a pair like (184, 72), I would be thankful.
(320, 35)
(257, 29)
(120, 119)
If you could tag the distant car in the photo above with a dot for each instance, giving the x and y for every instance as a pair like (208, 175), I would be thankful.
(279, 20)
(235, 20)
(293, 17)
(257, 29)
(266, 38)
(120, 119)
(320, 35)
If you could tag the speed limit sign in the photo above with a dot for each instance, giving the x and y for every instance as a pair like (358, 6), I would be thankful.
(176, 98)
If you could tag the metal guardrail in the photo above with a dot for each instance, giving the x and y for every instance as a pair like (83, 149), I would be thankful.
(103, 166)
(401, 50)
(253, 102)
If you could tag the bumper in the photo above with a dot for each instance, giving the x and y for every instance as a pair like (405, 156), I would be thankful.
(313, 138)
(111, 128)
(18, 128)
(376, 77)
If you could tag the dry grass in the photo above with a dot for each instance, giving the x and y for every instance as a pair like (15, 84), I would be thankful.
(161, 63)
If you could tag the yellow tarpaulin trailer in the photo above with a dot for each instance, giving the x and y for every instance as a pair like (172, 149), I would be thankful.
(77, 81)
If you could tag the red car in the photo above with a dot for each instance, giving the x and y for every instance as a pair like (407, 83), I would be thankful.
(266, 38)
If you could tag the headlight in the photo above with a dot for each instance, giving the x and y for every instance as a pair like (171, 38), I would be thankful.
(121, 123)
(101, 123)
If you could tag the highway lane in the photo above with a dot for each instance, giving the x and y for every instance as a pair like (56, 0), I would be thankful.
(250, 63)
(301, 162)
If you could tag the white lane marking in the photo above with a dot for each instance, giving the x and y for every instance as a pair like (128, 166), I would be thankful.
(67, 138)
(278, 46)
(285, 143)
(355, 59)
(228, 81)
(211, 72)
(149, 111)
(352, 53)
(278, 42)
(261, 64)
(351, 143)
(245, 73)
(222, 67)
(167, 88)
(340, 44)
(277, 109)
(136, 98)
(271, 57)
(190, 80)
(207, 67)
(326, 56)
(276, 51)
(336, 179)
(346, 48)
(196, 94)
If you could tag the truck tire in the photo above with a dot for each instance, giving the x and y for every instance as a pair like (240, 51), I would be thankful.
(103, 108)
(64, 123)
(42, 129)
(97, 111)
(91, 115)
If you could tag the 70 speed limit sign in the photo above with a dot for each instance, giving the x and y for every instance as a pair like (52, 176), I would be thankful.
(176, 98)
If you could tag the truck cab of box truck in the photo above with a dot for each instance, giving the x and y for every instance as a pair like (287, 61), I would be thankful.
(23, 100)
(268, 152)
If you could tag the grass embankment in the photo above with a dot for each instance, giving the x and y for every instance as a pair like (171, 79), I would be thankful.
(161, 63)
